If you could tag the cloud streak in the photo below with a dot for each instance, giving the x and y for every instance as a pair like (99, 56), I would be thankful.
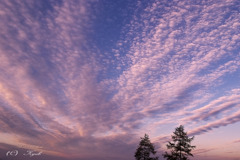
(175, 62)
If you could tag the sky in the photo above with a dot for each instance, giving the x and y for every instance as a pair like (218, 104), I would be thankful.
(85, 79)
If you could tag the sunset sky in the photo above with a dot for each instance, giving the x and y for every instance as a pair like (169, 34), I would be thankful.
(85, 79)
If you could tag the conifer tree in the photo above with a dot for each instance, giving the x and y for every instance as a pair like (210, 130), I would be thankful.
(181, 146)
(145, 150)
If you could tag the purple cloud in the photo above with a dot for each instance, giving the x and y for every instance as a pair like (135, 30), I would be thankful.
(171, 62)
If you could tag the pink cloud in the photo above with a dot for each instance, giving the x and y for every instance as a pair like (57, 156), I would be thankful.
(50, 86)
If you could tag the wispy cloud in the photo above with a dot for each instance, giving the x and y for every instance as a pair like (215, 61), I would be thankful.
(216, 124)
(173, 65)
(237, 141)
(175, 62)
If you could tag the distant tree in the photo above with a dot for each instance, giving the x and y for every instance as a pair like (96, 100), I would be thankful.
(181, 146)
(145, 150)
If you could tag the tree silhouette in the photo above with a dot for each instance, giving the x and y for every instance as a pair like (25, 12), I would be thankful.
(145, 150)
(181, 146)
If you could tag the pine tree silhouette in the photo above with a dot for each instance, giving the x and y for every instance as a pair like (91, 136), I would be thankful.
(145, 150)
(181, 146)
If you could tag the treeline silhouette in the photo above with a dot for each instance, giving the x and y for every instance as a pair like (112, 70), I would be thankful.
(180, 147)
